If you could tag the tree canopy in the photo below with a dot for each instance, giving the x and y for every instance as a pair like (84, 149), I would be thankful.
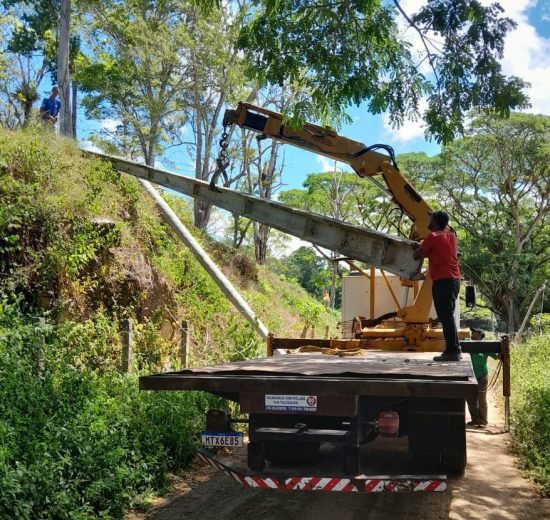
(496, 184)
(346, 52)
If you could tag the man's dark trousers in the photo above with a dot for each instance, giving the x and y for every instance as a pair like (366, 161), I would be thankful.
(445, 293)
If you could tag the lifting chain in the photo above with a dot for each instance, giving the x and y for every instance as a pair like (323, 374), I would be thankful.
(222, 162)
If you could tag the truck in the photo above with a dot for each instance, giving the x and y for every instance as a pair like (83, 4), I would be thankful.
(314, 406)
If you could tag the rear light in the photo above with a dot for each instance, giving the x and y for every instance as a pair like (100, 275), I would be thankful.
(388, 424)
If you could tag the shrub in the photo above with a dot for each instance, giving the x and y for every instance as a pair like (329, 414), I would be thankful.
(76, 442)
(531, 407)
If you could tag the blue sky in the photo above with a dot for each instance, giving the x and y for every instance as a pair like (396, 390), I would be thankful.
(527, 55)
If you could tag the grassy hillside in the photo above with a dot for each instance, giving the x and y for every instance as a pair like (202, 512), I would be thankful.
(83, 247)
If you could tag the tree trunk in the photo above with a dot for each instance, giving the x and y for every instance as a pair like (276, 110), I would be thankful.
(74, 105)
(202, 211)
(63, 79)
(261, 237)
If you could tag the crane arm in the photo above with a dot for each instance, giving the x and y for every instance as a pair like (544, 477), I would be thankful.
(365, 161)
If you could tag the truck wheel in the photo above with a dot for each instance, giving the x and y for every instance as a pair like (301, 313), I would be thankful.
(279, 452)
(452, 463)
(351, 460)
(256, 456)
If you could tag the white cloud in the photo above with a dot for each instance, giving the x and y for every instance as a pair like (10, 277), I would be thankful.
(110, 124)
(526, 55)
(327, 165)
(409, 130)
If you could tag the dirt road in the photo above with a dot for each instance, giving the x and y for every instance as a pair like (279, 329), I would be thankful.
(492, 488)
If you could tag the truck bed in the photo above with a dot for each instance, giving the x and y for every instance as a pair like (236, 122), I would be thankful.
(373, 373)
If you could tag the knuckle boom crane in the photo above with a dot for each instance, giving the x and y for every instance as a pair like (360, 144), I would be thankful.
(296, 403)
(410, 327)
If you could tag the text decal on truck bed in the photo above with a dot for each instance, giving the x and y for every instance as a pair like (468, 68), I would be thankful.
(290, 403)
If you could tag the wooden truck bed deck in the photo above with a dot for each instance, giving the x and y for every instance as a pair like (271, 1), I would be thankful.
(375, 373)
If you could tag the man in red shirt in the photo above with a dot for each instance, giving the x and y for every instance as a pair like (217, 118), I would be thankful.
(441, 249)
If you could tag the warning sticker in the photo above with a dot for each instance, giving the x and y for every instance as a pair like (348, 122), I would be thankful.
(290, 403)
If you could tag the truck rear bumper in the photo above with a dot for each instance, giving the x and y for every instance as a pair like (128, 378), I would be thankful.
(357, 484)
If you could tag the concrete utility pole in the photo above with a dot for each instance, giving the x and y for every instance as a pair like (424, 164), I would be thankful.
(63, 79)
(200, 254)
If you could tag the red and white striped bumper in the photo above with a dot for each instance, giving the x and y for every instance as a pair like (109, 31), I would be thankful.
(362, 484)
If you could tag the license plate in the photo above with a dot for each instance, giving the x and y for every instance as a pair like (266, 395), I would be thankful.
(222, 439)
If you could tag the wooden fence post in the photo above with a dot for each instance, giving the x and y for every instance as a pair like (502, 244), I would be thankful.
(39, 343)
(127, 344)
(506, 381)
(185, 343)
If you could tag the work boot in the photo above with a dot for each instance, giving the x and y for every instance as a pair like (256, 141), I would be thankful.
(448, 355)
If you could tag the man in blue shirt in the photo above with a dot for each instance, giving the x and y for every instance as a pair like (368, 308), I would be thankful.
(49, 109)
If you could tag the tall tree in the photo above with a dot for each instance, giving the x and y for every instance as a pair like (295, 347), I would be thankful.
(136, 71)
(353, 51)
(63, 75)
(217, 75)
(496, 183)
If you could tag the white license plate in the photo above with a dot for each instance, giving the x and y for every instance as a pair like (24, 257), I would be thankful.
(224, 439)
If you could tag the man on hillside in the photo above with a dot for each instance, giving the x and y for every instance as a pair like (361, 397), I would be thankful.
(441, 249)
(49, 109)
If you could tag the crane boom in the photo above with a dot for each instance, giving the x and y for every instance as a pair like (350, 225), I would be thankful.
(364, 160)
(390, 253)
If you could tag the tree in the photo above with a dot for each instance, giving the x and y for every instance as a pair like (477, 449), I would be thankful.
(217, 75)
(128, 78)
(331, 194)
(63, 74)
(309, 269)
(345, 52)
(27, 35)
(496, 183)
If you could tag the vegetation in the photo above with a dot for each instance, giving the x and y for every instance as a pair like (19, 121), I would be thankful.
(496, 182)
(78, 442)
(531, 407)
(82, 246)
(347, 52)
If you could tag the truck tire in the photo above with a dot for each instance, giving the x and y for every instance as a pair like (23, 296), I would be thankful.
(351, 460)
(256, 456)
(278, 452)
(452, 463)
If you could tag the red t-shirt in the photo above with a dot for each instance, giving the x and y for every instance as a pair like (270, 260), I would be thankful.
(441, 249)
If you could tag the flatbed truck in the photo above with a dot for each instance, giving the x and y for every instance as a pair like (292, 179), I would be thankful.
(382, 381)
(297, 403)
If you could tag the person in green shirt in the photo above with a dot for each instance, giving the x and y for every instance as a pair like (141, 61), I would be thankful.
(478, 406)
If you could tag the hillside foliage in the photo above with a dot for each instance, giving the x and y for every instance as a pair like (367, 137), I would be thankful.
(82, 247)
